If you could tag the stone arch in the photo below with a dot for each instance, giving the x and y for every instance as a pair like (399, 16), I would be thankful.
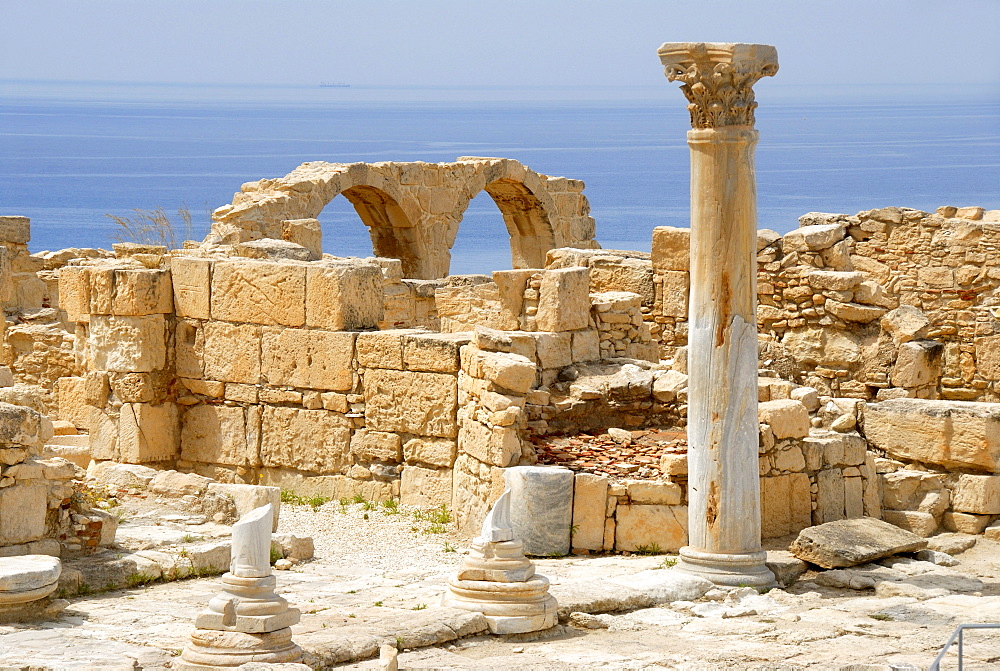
(392, 231)
(527, 208)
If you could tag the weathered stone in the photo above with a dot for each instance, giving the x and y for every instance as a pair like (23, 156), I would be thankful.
(786, 504)
(191, 280)
(671, 248)
(675, 290)
(921, 524)
(425, 487)
(509, 371)
(219, 434)
(852, 542)
(918, 363)
(433, 352)
(639, 525)
(905, 323)
(564, 303)
(232, 352)
(978, 494)
(493, 445)
(344, 296)
(988, 357)
(148, 433)
(439, 452)
(259, 292)
(310, 359)
(541, 500)
(590, 497)
(668, 384)
(127, 344)
(248, 498)
(947, 433)
(174, 483)
(418, 403)
(785, 566)
(812, 238)
(22, 513)
(307, 440)
(368, 445)
(787, 418)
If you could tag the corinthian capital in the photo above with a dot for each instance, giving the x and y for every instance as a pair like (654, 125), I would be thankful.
(718, 78)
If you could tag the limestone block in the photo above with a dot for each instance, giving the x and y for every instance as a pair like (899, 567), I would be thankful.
(833, 280)
(965, 523)
(618, 273)
(852, 542)
(672, 463)
(306, 358)
(306, 440)
(192, 284)
(830, 497)
(668, 384)
(439, 452)
(220, 434)
(232, 352)
(496, 445)
(564, 300)
(127, 344)
(637, 525)
(433, 352)
(425, 487)
(423, 404)
(590, 498)
(988, 357)
(248, 498)
(189, 350)
(541, 504)
(822, 346)
(648, 492)
(921, 524)
(790, 459)
(344, 296)
(71, 393)
(304, 232)
(368, 445)
(952, 434)
(22, 513)
(554, 350)
(676, 288)
(259, 292)
(812, 238)
(509, 371)
(938, 277)
(14, 229)
(854, 502)
(74, 292)
(918, 363)
(148, 432)
(586, 345)
(383, 349)
(787, 418)
(671, 248)
(979, 494)
(103, 435)
(853, 312)
(786, 504)
(139, 292)
(510, 290)
(905, 323)
(807, 396)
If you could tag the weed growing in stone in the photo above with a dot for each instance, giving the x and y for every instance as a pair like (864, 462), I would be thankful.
(378, 604)
(358, 498)
(669, 562)
(651, 549)
(369, 505)
(391, 506)
(881, 617)
(448, 547)
(419, 606)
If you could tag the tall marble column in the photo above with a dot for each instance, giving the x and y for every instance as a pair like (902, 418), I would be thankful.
(723, 485)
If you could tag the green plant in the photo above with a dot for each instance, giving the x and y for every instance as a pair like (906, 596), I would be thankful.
(669, 562)
(138, 579)
(351, 615)
(419, 606)
(352, 591)
(391, 506)
(191, 538)
(365, 516)
(448, 547)
(276, 552)
(573, 528)
(882, 617)
(369, 505)
(153, 227)
(358, 498)
(399, 642)
(436, 528)
(344, 501)
(651, 549)
(378, 604)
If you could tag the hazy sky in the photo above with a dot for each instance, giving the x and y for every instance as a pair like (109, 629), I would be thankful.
(507, 42)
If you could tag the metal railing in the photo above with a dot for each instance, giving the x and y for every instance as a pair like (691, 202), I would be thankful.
(936, 664)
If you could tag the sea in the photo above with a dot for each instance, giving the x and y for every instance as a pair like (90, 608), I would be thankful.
(73, 153)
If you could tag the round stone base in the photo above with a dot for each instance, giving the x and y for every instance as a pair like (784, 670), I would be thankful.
(210, 649)
(509, 607)
(728, 570)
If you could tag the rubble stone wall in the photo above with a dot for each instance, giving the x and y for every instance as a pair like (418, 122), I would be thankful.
(413, 210)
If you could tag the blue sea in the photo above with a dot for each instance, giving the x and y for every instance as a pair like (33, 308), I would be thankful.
(71, 153)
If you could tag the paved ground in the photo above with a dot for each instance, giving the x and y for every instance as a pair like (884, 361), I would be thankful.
(359, 592)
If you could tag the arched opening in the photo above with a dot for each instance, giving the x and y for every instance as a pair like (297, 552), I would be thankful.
(529, 231)
(482, 243)
(391, 233)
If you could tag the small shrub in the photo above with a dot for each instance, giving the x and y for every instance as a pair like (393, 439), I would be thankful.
(882, 617)
(448, 547)
(669, 562)
(378, 604)
(358, 498)
(369, 505)
(651, 549)
(419, 606)
(391, 506)
(436, 528)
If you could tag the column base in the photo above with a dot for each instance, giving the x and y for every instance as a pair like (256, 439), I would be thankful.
(728, 570)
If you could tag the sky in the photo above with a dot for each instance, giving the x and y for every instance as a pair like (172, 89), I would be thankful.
(539, 43)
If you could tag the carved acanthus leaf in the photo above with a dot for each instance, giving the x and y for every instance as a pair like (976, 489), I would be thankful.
(718, 79)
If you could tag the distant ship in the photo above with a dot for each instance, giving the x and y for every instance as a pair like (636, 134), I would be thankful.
(334, 85)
